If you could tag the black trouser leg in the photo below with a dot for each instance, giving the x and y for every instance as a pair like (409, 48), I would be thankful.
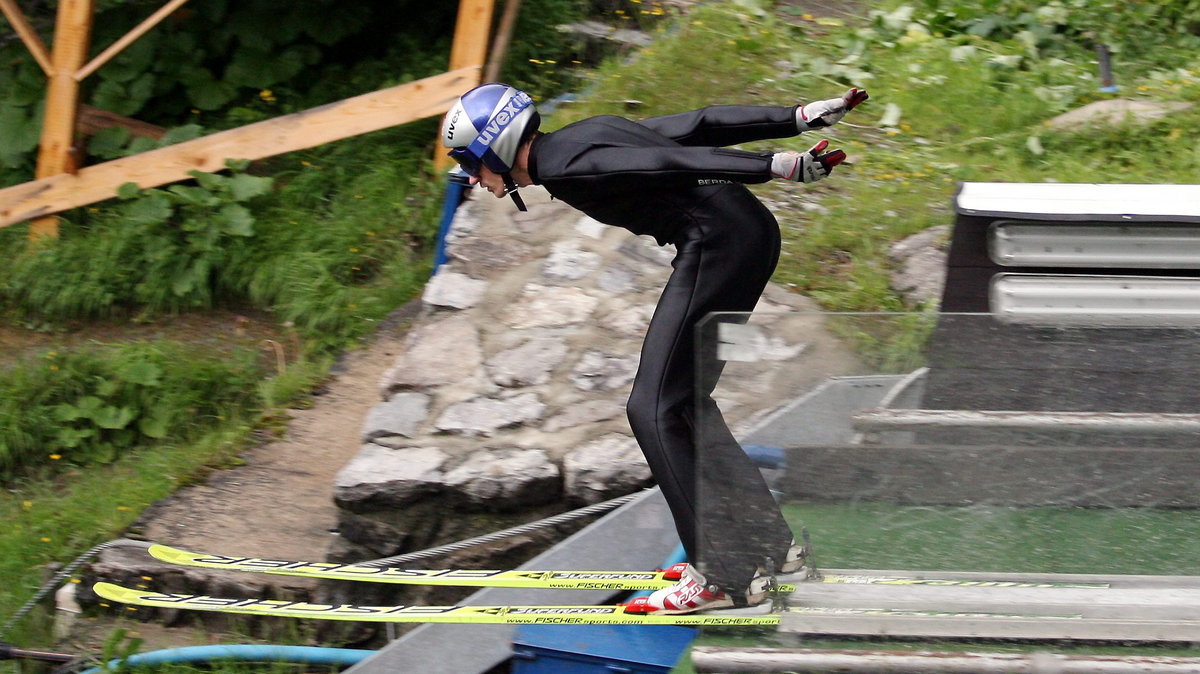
(727, 519)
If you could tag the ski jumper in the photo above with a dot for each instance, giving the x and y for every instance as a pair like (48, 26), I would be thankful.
(672, 178)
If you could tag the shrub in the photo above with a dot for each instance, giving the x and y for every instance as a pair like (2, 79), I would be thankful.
(91, 405)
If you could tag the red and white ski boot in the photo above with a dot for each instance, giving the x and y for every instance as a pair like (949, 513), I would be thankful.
(692, 593)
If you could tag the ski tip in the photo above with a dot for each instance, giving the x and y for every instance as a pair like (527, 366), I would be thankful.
(166, 553)
(109, 591)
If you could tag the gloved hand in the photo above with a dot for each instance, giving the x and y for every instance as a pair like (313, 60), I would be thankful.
(806, 167)
(820, 114)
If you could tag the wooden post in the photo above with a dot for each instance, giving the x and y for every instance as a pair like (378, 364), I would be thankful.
(57, 154)
(471, 33)
(470, 47)
(503, 38)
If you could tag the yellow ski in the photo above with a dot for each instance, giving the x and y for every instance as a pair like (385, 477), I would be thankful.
(553, 580)
(496, 615)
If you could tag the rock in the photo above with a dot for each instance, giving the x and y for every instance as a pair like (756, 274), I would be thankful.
(484, 256)
(441, 352)
(507, 478)
(750, 344)
(591, 228)
(529, 363)
(604, 469)
(1116, 111)
(644, 249)
(616, 279)
(921, 259)
(454, 290)
(381, 477)
(542, 306)
(598, 371)
(483, 416)
(587, 412)
(567, 262)
(543, 216)
(401, 415)
(630, 321)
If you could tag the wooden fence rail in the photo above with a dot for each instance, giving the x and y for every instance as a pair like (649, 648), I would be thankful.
(61, 185)
(362, 114)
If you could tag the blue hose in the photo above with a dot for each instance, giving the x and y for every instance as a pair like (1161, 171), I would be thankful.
(307, 655)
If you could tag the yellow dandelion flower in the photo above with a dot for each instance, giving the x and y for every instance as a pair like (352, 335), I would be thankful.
(55, 457)
(45, 539)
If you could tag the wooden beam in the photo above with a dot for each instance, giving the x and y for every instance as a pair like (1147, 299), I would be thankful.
(369, 112)
(92, 120)
(57, 153)
(128, 39)
(33, 42)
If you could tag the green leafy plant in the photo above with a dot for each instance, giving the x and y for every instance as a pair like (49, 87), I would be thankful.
(159, 249)
(117, 649)
(1148, 33)
(187, 231)
(92, 405)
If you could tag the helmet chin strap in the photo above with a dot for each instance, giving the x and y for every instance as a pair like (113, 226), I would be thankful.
(510, 188)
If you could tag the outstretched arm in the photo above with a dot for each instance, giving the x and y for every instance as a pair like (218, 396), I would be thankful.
(724, 125)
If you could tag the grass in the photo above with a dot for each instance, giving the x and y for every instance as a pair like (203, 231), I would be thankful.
(942, 110)
(1003, 539)
(55, 520)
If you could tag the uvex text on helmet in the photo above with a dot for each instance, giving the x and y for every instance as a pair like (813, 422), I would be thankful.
(489, 123)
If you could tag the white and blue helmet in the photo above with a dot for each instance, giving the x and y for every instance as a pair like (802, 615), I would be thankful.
(486, 126)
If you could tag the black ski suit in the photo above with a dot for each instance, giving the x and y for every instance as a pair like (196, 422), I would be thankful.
(671, 177)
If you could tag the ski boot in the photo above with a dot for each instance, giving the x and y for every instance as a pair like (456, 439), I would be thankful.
(692, 593)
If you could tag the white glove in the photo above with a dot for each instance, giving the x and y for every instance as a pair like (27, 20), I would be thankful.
(820, 114)
(806, 167)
